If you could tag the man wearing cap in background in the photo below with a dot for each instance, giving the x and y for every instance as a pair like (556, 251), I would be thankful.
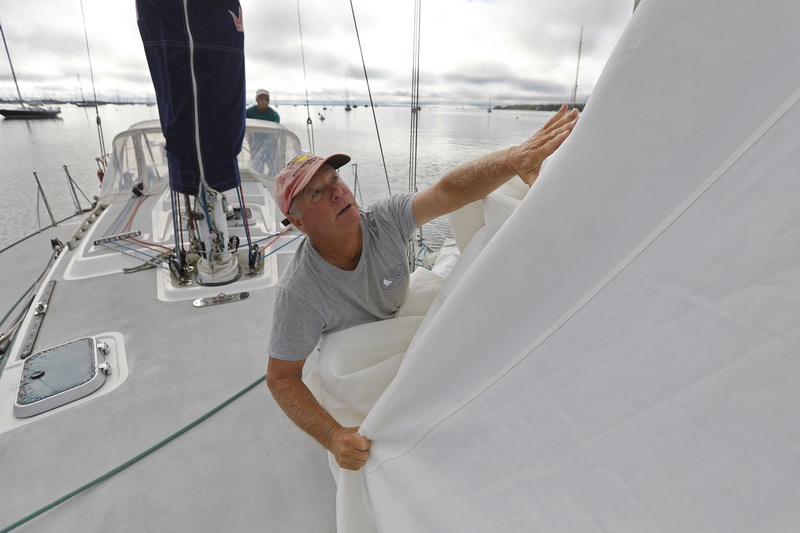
(262, 110)
(261, 146)
(352, 268)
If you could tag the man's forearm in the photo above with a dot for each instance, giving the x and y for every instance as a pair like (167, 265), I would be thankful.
(464, 184)
(475, 179)
(302, 408)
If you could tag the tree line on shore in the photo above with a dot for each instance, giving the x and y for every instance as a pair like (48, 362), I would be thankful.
(537, 107)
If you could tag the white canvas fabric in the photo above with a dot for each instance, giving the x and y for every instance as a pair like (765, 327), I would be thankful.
(354, 366)
(624, 354)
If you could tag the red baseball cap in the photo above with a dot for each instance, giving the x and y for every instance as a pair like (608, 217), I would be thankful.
(298, 172)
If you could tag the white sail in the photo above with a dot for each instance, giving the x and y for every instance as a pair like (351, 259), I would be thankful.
(624, 355)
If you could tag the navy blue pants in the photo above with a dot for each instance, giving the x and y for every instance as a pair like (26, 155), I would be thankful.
(195, 51)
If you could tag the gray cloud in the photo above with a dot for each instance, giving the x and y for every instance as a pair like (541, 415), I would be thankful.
(517, 50)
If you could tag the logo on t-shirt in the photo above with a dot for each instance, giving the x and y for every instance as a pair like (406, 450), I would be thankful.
(392, 278)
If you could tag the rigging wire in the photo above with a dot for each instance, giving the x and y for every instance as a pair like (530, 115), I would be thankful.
(134, 209)
(577, 71)
(180, 251)
(174, 199)
(356, 185)
(73, 186)
(413, 136)
(102, 158)
(309, 122)
(276, 237)
(415, 108)
(148, 258)
(154, 246)
(240, 194)
(281, 246)
(371, 103)
(13, 74)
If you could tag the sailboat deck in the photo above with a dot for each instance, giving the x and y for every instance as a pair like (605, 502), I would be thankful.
(183, 362)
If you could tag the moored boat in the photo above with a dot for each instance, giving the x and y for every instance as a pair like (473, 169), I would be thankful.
(25, 110)
(30, 111)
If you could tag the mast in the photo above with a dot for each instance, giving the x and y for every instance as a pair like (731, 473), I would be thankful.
(577, 70)
(11, 64)
(347, 106)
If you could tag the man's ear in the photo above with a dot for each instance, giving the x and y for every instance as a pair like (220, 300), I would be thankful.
(296, 222)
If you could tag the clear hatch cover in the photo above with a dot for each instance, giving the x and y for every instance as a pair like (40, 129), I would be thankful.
(59, 375)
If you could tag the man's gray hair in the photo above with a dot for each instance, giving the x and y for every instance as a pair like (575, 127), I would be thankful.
(294, 210)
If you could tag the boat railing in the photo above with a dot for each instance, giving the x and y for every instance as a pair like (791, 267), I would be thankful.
(26, 208)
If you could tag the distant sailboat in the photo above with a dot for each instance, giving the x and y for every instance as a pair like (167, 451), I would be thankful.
(25, 110)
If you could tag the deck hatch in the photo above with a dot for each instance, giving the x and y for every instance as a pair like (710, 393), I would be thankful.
(59, 375)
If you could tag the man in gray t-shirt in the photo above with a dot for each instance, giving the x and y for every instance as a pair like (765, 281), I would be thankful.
(352, 268)
(314, 297)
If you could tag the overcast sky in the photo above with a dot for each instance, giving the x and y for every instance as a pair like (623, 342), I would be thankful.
(506, 51)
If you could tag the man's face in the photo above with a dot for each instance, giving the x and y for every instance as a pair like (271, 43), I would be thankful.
(327, 205)
(262, 100)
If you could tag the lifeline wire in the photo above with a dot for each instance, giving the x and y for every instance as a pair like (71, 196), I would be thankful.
(31, 288)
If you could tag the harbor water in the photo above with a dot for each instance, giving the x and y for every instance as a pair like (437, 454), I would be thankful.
(445, 138)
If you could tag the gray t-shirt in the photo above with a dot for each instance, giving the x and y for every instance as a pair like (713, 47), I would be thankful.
(314, 297)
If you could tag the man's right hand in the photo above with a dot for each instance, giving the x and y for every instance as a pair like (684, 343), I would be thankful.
(529, 156)
(349, 448)
(285, 381)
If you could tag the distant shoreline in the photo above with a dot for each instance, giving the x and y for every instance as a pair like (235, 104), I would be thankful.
(514, 107)
(536, 107)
